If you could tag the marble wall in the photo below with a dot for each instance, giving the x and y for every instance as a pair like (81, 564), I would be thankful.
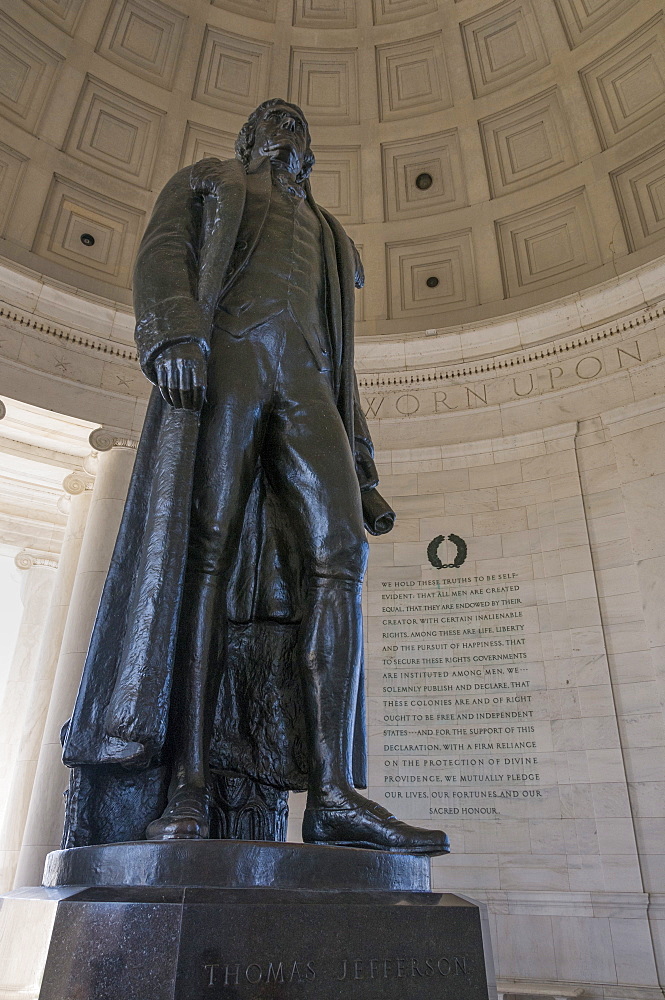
(563, 522)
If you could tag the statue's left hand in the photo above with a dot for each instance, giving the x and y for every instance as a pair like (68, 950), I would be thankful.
(181, 376)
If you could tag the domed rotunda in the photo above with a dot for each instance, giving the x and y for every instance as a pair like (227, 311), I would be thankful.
(500, 167)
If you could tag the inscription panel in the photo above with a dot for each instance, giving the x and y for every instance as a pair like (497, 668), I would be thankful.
(306, 949)
(458, 687)
(489, 687)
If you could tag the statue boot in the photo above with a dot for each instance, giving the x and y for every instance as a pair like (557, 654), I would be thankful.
(330, 650)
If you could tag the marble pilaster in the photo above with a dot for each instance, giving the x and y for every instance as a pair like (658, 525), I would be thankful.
(636, 434)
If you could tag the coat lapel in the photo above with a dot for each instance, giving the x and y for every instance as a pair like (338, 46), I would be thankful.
(334, 298)
(258, 184)
(343, 314)
(223, 185)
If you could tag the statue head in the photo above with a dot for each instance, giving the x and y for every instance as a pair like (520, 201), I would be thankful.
(279, 130)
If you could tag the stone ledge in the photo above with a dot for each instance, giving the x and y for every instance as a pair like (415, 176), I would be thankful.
(236, 864)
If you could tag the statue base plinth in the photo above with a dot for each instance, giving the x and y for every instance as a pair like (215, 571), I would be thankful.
(240, 920)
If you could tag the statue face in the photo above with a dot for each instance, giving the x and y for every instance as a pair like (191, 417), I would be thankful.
(281, 134)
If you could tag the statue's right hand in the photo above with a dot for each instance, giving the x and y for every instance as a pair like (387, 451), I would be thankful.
(181, 376)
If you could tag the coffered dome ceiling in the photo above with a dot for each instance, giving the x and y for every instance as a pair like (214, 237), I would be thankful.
(485, 156)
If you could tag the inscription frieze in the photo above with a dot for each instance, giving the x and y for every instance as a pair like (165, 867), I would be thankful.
(490, 384)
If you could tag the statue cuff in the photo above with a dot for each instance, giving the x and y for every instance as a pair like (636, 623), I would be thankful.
(148, 362)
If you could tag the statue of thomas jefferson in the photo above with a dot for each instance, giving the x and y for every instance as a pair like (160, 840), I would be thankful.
(229, 633)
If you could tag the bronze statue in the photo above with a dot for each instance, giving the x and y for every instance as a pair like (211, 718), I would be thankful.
(229, 635)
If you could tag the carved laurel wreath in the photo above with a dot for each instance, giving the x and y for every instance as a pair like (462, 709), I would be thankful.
(433, 552)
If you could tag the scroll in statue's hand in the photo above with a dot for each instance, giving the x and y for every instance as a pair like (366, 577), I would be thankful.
(181, 376)
(378, 515)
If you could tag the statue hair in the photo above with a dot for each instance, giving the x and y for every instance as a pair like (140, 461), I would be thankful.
(245, 141)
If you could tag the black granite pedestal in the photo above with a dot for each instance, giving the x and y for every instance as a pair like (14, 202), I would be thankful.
(233, 920)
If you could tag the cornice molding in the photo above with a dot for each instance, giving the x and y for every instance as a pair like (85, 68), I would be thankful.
(377, 380)
(432, 359)
(499, 363)
(98, 345)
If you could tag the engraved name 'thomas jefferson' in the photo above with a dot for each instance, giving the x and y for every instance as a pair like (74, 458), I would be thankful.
(289, 971)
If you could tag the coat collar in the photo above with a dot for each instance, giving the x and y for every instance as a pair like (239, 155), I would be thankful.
(333, 279)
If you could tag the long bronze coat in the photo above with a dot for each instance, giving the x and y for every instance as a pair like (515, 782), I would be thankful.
(187, 260)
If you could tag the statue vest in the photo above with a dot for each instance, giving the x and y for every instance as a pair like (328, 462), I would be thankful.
(287, 265)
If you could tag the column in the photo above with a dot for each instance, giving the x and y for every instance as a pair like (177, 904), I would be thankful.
(37, 577)
(13, 812)
(43, 829)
